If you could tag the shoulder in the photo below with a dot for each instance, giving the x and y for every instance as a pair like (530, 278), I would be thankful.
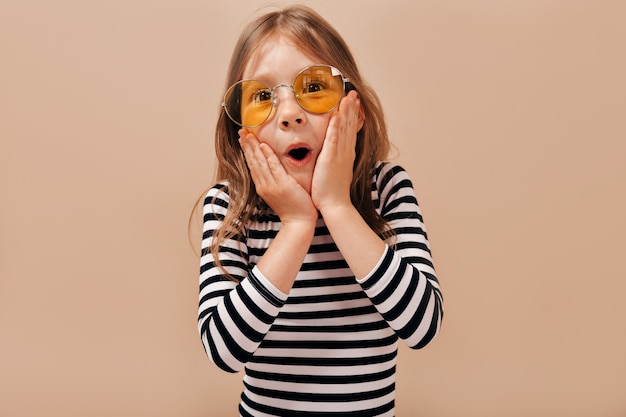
(391, 187)
(217, 198)
(389, 174)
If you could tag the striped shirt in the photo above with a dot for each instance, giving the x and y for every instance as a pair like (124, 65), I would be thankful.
(329, 347)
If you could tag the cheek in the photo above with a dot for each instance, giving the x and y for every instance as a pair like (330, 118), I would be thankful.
(321, 125)
(263, 135)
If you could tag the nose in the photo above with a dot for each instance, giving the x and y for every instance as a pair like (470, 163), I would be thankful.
(288, 111)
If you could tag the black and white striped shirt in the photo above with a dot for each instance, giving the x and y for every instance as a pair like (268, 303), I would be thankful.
(329, 347)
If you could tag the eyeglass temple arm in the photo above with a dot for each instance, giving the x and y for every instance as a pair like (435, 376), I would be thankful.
(349, 85)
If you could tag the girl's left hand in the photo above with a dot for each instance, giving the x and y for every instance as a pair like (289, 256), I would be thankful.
(334, 167)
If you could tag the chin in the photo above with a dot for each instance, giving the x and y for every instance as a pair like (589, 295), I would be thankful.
(305, 183)
(304, 179)
(307, 187)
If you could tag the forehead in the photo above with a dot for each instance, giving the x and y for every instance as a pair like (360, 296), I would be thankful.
(278, 60)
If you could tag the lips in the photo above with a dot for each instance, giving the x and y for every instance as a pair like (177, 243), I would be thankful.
(298, 155)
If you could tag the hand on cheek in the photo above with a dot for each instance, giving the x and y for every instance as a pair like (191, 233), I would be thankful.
(334, 167)
(273, 184)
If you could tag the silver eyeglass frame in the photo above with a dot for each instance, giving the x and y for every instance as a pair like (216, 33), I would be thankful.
(347, 87)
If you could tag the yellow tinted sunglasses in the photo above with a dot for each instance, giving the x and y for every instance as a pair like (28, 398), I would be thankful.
(318, 89)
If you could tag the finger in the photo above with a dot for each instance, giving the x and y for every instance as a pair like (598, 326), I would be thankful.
(247, 146)
(254, 156)
(273, 163)
(257, 163)
(350, 102)
(351, 109)
(329, 146)
(347, 124)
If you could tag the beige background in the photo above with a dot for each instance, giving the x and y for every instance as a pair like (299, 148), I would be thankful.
(509, 116)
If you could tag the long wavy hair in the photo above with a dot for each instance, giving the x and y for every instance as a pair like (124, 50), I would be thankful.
(313, 34)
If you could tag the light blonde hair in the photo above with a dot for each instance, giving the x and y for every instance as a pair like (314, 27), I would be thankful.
(313, 34)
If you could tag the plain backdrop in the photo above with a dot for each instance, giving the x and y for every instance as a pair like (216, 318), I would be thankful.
(508, 115)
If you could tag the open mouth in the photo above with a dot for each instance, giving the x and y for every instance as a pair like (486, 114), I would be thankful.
(299, 153)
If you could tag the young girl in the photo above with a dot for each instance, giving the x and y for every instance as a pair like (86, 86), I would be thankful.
(315, 259)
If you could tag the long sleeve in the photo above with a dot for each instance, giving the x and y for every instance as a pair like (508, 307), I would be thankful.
(330, 345)
(403, 286)
(233, 316)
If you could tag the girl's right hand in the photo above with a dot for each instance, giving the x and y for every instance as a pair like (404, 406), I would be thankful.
(273, 184)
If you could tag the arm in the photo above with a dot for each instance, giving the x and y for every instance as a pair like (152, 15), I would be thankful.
(233, 317)
(359, 245)
(401, 282)
(293, 205)
(403, 285)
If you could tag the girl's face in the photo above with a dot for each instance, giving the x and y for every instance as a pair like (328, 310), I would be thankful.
(295, 135)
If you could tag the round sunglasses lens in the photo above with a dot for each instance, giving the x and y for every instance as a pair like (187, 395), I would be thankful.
(248, 103)
(319, 88)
